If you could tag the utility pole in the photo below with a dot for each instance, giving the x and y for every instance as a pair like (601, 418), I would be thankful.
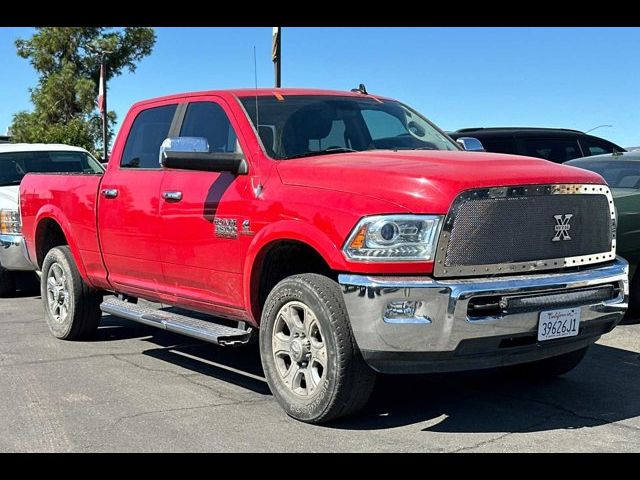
(276, 54)
(103, 112)
(102, 97)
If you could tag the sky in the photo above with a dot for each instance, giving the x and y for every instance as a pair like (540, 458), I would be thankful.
(458, 77)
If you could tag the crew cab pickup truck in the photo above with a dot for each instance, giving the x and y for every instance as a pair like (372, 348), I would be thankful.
(343, 230)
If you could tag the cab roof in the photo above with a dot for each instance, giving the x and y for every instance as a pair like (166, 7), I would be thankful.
(261, 92)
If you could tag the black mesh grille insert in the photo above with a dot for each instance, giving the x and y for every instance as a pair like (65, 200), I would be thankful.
(520, 229)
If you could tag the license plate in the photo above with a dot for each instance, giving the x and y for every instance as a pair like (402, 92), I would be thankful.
(558, 323)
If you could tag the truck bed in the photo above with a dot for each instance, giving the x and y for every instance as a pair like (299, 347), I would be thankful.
(70, 200)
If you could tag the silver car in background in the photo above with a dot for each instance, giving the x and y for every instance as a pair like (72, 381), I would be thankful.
(16, 160)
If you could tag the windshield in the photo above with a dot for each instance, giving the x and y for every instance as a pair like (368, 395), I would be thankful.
(15, 165)
(617, 173)
(307, 125)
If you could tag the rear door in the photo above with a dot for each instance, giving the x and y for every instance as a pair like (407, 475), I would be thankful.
(128, 209)
(202, 213)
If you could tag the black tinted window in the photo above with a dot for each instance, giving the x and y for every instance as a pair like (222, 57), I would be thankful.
(594, 147)
(208, 120)
(148, 131)
(555, 149)
(15, 165)
(503, 145)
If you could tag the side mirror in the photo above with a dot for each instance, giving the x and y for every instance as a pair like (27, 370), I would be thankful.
(192, 153)
(471, 144)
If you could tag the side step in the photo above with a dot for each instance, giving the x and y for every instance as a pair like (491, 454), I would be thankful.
(192, 327)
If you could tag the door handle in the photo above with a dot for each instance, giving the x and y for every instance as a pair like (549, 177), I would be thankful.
(110, 192)
(172, 196)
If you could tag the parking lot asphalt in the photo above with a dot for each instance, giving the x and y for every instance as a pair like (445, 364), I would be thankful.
(136, 388)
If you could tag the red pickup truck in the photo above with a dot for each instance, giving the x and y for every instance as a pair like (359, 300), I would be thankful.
(342, 230)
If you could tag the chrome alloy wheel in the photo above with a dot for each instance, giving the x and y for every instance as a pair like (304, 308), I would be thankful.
(57, 293)
(299, 349)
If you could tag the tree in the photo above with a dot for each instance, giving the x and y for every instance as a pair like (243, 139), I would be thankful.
(69, 71)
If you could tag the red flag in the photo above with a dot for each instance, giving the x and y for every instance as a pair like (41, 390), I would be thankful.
(101, 90)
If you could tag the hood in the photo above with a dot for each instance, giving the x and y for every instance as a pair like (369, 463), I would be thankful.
(424, 181)
(9, 196)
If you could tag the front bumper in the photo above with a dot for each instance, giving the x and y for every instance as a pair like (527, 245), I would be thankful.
(446, 337)
(13, 253)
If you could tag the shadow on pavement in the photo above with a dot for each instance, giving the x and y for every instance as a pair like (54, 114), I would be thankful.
(237, 365)
(27, 285)
(604, 388)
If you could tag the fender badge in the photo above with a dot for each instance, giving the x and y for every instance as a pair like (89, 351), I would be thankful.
(226, 227)
(246, 228)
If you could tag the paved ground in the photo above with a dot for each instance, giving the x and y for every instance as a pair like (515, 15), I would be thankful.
(135, 388)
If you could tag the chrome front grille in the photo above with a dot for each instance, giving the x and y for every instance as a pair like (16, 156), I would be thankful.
(526, 228)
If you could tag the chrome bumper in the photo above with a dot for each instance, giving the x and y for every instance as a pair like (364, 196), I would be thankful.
(444, 337)
(13, 253)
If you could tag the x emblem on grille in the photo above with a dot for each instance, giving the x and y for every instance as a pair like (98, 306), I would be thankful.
(562, 227)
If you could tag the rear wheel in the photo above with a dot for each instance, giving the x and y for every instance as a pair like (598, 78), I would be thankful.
(7, 283)
(310, 358)
(548, 367)
(72, 308)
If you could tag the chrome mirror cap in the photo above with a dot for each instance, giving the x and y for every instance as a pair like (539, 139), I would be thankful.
(183, 144)
(471, 144)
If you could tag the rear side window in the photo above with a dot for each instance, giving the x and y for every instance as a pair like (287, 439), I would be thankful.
(208, 120)
(147, 133)
(594, 147)
(500, 145)
(557, 150)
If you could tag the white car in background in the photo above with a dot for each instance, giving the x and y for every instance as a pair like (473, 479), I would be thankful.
(16, 160)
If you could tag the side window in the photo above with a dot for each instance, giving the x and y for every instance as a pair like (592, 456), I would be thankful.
(557, 150)
(147, 133)
(593, 147)
(502, 145)
(208, 120)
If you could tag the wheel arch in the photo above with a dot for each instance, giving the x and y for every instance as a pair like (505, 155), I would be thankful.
(52, 231)
(305, 244)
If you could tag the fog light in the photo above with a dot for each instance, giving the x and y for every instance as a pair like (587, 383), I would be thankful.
(405, 311)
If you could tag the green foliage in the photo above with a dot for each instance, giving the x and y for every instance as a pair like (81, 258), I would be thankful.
(68, 65)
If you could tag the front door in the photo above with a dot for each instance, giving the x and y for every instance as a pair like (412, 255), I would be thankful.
(201, 214)
(128, 210)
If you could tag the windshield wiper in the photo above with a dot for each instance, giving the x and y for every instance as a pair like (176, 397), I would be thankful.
(327, 151)
(8, 184)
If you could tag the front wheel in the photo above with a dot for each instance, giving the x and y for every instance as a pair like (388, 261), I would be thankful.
(309, 356)
(72, 308)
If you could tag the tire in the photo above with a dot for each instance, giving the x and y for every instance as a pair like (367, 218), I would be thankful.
(7, 283)
(311, 306)
(547, 368)
(72, 308)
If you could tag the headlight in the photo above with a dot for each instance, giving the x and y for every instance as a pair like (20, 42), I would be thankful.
(9, 222)
(394, 238)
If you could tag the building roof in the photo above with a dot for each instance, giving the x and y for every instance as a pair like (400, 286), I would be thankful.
(38, 147)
